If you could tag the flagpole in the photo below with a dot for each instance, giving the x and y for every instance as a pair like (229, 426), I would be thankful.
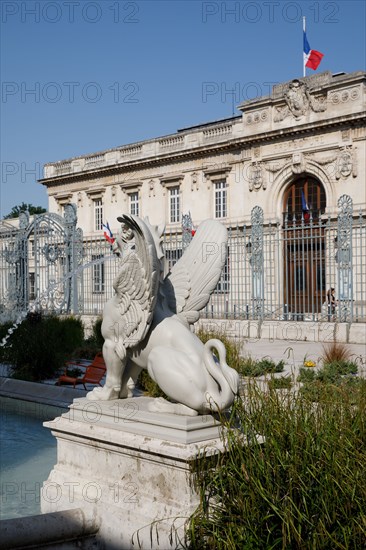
(303, 54)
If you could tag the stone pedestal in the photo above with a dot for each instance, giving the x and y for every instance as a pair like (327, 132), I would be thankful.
(128, 469)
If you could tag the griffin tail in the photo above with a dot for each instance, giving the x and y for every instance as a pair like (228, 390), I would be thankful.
(226, 377)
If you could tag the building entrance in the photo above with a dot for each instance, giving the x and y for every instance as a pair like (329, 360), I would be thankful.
(304, 246)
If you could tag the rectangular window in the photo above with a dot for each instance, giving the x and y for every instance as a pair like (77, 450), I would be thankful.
(98, 275)
(174, 204)
(98, 214)
(134, 204)
(173, 256)
(32, 283)
(220, 199)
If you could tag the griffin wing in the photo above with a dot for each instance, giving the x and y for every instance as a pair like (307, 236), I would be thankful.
(136, 286)
(194, 277)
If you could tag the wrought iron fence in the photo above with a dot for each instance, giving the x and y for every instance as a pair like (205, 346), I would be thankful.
(275, 270)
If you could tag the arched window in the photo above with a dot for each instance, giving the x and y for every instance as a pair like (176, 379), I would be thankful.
(304, 193)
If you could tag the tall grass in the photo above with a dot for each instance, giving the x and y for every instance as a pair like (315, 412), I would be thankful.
(303, 487)
(335, 352)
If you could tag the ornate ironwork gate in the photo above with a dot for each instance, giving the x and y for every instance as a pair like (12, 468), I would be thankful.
(40, 263)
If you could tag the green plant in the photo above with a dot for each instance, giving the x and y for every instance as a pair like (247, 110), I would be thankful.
(334, 372)
(250, 367)
(328, 378)
(40, 345)
(4, 331)
(97, 337)
(335, 351)
(92, 345)
(282, 383)
(306, 375)
(301, 486)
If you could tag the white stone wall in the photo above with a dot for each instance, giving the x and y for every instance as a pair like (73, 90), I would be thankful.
(320, 132)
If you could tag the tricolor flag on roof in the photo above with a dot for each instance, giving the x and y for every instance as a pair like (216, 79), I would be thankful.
(312, 58)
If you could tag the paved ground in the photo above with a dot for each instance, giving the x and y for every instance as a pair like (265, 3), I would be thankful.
(294, 353)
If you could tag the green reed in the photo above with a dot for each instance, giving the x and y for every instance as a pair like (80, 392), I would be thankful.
(302, 486)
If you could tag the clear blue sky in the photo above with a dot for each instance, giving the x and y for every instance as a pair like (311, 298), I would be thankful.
(107, 73)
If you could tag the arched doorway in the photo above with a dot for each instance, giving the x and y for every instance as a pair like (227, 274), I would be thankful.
(304, 247)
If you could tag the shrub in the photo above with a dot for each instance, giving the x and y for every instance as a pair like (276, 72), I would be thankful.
(250, 367)
(39, 347)
(4, 329)
(335, 374)
(302, 486)
(282, 383)
(92, 345)
(306, 375)
(97, 337)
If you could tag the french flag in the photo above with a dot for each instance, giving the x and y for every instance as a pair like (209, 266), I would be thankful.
(304, 206)
(108, 233)
(312, 58)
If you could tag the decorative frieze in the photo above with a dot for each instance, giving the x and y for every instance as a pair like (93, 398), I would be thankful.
(257, 116)
(342, 96)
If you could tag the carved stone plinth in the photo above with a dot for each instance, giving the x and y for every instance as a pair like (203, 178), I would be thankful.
(126, 467)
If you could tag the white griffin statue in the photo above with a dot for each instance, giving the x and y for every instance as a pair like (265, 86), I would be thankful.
(146, 325)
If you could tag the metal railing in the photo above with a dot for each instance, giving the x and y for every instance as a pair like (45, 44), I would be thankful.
(275, 270)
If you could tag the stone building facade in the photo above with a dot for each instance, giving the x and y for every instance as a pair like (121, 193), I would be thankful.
(288, 158)
(312, 127)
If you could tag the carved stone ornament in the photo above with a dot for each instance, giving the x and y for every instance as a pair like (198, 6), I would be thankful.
(256, 179)
(80, 200)
(299, 102)
(346, 163)
(113, 193)
(146, 323)
(151, 188)
(298, 163)
(194, 181)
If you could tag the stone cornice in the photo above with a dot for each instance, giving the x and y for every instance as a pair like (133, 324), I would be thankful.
(209, 149)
